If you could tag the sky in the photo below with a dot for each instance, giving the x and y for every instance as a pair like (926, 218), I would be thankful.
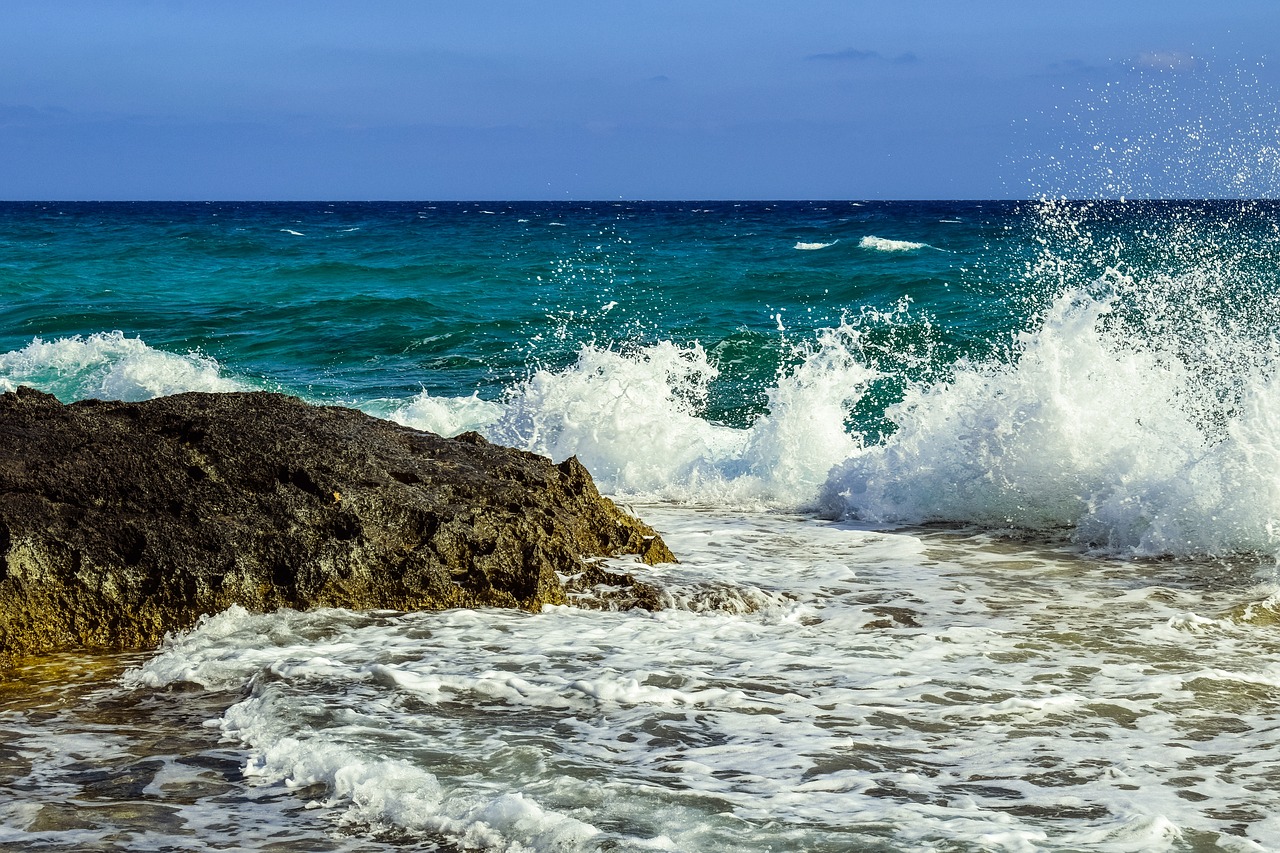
(642, 99)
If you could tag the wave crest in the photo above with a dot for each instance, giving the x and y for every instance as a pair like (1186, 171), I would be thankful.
(108, 365)
(635, 420)
(883, 244)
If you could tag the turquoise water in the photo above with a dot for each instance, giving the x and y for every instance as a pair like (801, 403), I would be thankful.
(977, 505)
(358, 301)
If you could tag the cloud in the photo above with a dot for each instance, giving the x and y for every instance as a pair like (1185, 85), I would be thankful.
(1166, 60)
(853, 54)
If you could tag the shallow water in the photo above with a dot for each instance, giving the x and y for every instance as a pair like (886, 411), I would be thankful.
(921, 689)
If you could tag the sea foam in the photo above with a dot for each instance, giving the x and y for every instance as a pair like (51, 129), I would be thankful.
(883, 244)
(1138, 414)
(634, 418)
(448, 416)
(109, 365)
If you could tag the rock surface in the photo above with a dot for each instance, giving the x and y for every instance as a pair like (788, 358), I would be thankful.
(120, 522)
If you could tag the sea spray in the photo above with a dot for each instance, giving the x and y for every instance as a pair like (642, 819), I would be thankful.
(1203, 130)
(448, 416)
(1021, 444)
(1135, 414)
(112, 366)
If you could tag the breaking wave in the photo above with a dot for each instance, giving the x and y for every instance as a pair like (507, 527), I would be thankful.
(883, 244)
(109, 365)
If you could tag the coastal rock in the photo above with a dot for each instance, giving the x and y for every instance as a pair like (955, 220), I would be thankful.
(120, 521)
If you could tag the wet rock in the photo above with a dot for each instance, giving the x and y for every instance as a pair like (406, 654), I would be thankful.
(120, 522)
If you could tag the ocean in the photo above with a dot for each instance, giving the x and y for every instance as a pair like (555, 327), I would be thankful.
(977, 506)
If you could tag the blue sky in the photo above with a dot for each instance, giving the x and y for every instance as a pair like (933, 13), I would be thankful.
(284, 99)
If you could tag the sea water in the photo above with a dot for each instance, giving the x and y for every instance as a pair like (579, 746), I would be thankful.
(977, 506)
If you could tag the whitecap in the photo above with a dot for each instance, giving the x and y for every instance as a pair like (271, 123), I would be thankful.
(634, 418)
(110, 366)
(809, 247)
(1084, 433)
(447, 416)
(883, 244)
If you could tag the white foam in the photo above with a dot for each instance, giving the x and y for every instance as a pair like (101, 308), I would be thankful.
(448, 416)
(634, 419)
(809, 247)
(108, 365)
(909, 691)
(373, 791)
(1086, 431)
(883, 244)
(291, 231)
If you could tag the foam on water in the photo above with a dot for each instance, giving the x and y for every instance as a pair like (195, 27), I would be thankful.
(1138, 414)
(443, 415)
(633, 418)
(902, 692)
(809, 247)
(109, 365)
(884, 244)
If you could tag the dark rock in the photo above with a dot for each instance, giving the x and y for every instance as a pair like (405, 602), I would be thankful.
(120, 522)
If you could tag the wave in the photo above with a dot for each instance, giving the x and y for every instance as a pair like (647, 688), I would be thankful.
(108, 365)
(634, 418)
(809, 247)
(1082, 434)
(883, 244)
(1138, 414)
(1079, 432)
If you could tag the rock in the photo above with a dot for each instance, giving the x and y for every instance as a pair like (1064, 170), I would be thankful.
(120, 522)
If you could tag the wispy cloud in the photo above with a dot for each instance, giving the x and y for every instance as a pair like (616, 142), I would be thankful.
(853, 54)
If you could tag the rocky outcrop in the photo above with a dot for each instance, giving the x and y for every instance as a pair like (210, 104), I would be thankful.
(120, 522)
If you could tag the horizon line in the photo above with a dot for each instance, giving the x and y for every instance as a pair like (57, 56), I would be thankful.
(719, 200)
